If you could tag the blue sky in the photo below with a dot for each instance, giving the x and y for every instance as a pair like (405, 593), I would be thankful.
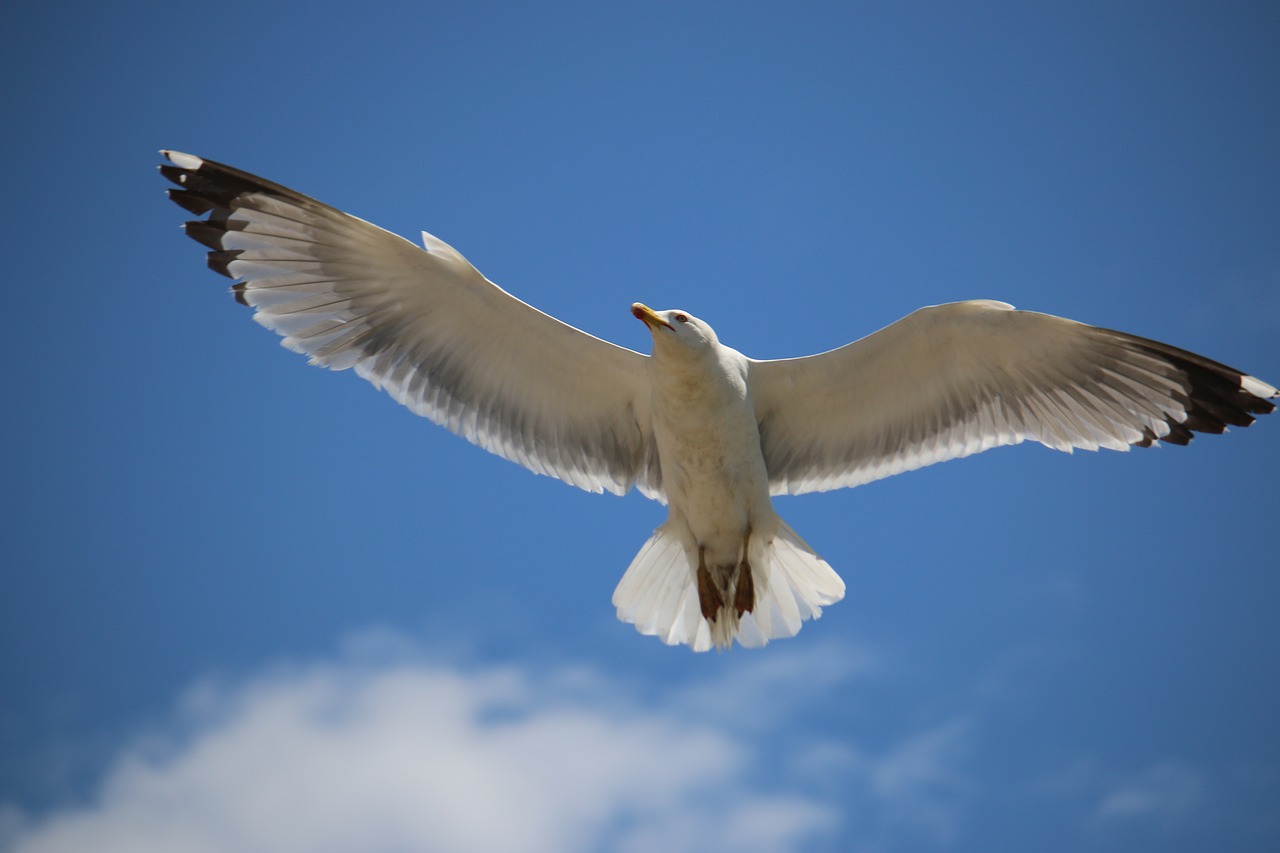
(252, 605)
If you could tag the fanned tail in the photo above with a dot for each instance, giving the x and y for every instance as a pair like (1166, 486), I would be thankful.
(659, 592)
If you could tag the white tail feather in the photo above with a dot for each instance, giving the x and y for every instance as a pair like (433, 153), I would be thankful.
(659, 592)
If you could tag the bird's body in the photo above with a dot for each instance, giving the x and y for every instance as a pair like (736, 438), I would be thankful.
(712, 433)
(709, 445)
(713, 471)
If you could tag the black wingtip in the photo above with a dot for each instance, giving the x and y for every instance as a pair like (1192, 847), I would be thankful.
(173, 173)
(190, 202)
(220, 260)
(1214, 396)
(205, 233)
(208, 187)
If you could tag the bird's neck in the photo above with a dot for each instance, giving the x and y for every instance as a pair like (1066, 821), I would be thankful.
(700, 379)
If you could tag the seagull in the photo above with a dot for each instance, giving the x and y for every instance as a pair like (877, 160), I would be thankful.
(697, 425)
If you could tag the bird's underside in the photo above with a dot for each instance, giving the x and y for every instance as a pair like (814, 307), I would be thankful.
(724, 586)
(944, 382)
(726, 593)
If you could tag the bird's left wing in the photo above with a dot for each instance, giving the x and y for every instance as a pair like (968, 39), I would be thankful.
(951, 380)
(427, 327)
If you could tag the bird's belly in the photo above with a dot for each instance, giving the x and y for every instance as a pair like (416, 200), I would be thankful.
(717, 480)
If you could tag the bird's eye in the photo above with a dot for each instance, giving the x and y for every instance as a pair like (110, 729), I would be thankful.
(682, 318)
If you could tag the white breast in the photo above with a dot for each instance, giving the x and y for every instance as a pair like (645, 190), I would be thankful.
(709, 446)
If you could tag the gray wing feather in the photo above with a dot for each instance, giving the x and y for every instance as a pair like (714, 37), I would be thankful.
(427, 327)
(952, 380)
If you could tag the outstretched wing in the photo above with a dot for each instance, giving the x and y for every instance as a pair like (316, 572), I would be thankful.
(427, 327)
(951, 380)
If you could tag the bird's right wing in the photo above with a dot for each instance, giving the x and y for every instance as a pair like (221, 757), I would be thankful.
(427, 327)
(956, 379)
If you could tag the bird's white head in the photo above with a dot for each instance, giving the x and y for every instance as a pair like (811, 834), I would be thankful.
(674, 329)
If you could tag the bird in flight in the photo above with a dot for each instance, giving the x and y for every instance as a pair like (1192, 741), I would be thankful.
(697, 425)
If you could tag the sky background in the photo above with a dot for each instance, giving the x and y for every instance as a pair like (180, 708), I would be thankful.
(249, 605)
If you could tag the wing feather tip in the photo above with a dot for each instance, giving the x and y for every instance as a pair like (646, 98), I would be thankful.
(1264, 391)
(181, 159)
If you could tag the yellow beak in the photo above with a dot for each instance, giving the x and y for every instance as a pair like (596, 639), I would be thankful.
(648, 316)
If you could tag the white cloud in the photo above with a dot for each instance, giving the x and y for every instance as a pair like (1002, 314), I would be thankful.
(761, 696)
(1168, 792)
(381, 749)
(913, 793)
(403, 754)
(921, 763)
